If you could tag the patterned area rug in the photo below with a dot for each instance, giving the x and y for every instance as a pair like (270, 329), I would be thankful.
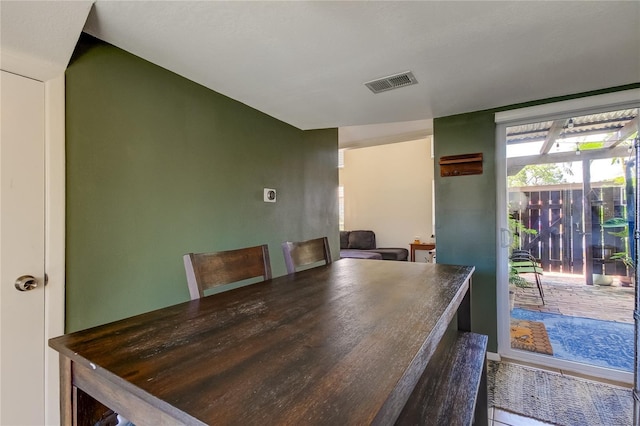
(530, 336)
(555, 398)
(586, 340)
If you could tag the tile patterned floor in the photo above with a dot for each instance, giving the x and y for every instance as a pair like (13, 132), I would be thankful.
(567, 294)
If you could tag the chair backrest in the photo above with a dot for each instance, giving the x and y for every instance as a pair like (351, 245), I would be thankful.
(524, 262)
(301, 253)
(209, 270)
(522, 255)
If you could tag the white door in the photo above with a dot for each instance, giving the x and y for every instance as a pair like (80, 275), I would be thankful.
(22, 250)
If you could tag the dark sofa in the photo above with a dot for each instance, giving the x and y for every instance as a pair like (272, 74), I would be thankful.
(361, 244)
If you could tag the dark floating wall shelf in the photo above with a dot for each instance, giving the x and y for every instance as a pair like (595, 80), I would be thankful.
(461, 165)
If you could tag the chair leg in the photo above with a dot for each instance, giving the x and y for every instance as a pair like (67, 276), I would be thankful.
(539, 283)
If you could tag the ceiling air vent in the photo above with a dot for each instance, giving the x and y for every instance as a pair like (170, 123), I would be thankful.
(391, 82)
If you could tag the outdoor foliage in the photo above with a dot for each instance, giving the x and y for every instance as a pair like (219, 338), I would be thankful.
(541, 174)
(517, 229)
(516, 279)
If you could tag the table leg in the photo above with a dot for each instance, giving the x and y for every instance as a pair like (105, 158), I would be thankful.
(482, 404)
(464, 311)
(66, 392)
(76, 407)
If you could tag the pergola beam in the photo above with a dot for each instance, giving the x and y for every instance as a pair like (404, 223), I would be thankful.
(552, 135)
(517, 163)
(613, 132)
(621, 135)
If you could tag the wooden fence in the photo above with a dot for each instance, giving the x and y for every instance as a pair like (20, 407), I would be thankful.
(562, 243)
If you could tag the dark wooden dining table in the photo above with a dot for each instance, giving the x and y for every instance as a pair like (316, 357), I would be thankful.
(339, 344)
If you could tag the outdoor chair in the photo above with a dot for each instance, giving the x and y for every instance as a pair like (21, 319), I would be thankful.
(524, 263)
(303, 253)
(209, 270)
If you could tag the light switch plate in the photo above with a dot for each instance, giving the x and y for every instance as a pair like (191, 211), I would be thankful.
(269, 195)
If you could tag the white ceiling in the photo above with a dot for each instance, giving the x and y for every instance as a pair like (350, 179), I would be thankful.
(37, 38)
(305, 62)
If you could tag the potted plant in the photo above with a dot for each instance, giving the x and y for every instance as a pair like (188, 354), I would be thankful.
(624, 257)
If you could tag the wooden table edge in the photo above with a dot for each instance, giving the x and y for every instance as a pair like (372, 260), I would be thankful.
(393, 406)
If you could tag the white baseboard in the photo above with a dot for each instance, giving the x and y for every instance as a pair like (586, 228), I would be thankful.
(492, 356)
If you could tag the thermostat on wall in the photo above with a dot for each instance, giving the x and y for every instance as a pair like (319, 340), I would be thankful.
(269, 195)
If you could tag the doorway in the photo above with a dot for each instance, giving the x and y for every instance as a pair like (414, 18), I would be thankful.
(33, 119)
(566, 245)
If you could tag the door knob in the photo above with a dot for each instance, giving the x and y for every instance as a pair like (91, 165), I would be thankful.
(26, 283)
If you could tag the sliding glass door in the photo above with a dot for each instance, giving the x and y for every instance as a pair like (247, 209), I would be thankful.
(566, 291)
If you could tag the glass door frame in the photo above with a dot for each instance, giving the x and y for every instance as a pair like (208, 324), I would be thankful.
(553, 111)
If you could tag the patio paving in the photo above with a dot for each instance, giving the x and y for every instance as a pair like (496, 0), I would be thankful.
(567, 294)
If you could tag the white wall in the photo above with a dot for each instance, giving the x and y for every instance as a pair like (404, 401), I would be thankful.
(388, 189)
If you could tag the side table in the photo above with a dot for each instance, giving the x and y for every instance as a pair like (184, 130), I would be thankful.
(420, 246)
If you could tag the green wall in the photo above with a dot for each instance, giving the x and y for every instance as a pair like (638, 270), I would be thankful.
(466, 212)
(466, 205)
(159, 166)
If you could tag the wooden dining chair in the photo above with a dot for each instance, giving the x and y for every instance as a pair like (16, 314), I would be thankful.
(303, 253)
(209, 270)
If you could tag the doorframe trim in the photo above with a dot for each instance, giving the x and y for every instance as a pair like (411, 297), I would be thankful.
(54, 100)
(573, 107)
